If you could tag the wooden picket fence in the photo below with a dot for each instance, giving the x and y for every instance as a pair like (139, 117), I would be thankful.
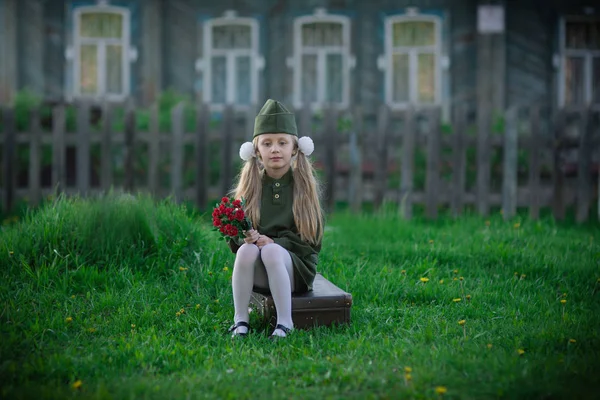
(532, 158)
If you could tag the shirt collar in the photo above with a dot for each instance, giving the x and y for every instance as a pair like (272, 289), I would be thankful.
(284, 180)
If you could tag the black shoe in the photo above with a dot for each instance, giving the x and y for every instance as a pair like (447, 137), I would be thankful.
(235, 326)
(285, 329)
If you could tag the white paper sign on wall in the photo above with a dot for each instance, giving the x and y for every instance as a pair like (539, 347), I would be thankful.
(490, 19)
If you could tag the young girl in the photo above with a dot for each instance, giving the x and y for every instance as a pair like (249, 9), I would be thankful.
(282, 202)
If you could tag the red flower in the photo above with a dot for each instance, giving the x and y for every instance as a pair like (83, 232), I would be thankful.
(229, 219)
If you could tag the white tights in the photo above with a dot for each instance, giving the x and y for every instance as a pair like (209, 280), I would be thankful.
(273, 270)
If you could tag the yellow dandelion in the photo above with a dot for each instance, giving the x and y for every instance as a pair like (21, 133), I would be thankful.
(441, 389)
(461, 278)
(68, 320)
(521, 352)
(468, 297)
(197, 306)
(454, 279)
(462, 322)
(517, 225)
(91, 330)
(455, 271)
(424, 279)
(516, 273)
(177, 314)
(182, 311)
(10, 253)
(598, 281)
(456, 300)
(572, 340)
(430, 241)
(403, 272)
(408, 377)
(489, 345)
(183, 269)
(210, 273)
(564, 295)
(563, 301)
(132, 326)
(441, 281)
(225, 269)
(77, 384)
(523, 276)
(408, 370)
(73, 296)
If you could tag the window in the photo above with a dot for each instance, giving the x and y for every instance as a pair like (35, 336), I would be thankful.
(580, 72)
(412, 61)
(321, 62)
(101, 52)
(231, 61)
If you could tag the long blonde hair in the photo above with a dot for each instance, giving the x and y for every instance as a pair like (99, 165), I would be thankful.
(306, 206)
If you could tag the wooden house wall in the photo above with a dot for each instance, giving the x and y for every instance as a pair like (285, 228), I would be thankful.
(168, 37)
(530, 45)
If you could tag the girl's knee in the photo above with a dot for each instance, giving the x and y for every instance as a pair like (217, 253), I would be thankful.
(270, 253)
(247, 254)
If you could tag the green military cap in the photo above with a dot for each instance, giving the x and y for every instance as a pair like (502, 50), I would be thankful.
(275, 118)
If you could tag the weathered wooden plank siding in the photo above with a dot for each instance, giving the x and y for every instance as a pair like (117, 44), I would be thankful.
(463, 50)
(530, 35)
(54, 49)
(181, 45)
(8, 61)
(30, 51)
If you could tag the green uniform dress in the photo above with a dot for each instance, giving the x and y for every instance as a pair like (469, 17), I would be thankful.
(277, 222)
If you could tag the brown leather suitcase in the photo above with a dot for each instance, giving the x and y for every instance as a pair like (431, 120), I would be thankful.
(325, 305)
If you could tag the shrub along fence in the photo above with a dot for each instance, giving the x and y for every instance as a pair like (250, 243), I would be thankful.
(530, 157)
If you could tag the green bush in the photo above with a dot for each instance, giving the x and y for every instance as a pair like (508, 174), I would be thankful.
(114, 228)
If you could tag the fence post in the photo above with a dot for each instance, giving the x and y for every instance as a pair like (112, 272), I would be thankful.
(509, 175)
(226, 149)
(10, 132)
(558, 179)
(153, 151)
(483, 160)
(330, 138)
(34, 158)
(381, 165)
(59, 166)
(355, 150)
(83, 148)
(408, 154)
(202, 156)
(583, 167)
(106, 167)
(433, 160)
(458, 158)
(177, 124)
(534, 164)
(129, 145)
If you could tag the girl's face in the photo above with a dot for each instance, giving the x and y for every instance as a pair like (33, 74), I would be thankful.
(276, 151)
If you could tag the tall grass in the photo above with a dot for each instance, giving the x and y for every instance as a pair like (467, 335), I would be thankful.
(126, 297)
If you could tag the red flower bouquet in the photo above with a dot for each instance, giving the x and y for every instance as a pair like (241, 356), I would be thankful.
(230, 219)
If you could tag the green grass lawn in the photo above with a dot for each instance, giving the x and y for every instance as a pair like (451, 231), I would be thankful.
(127, 298)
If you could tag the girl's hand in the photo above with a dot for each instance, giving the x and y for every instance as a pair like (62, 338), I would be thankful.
(251, 236)
(263, 241)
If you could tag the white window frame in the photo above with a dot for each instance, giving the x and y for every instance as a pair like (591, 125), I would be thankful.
(385, 62)
(129, 54)
(204, 64)
(587, 55)
(295, 62)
